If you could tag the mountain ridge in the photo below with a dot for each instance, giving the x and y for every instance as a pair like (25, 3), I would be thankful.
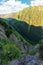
(31, 15)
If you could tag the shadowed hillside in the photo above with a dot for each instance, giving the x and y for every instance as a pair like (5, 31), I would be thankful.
(29, 32)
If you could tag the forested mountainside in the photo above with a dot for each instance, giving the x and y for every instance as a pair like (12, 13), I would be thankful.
(31, 15)
(31, 33)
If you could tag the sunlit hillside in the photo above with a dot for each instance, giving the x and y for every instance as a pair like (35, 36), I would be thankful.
(31, 15)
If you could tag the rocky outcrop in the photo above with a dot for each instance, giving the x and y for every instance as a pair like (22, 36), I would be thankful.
(2, 32)
(27, 60)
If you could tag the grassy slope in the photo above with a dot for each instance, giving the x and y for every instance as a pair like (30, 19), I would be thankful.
(31, 15)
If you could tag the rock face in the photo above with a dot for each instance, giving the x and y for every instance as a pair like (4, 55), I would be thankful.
(20, 44)
(14, 62)
(2, 32)
(26, 60)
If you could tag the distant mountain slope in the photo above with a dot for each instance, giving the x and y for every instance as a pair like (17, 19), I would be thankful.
(31, 15)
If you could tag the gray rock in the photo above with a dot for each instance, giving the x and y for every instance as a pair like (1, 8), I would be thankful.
(14, 62)
(26, 60)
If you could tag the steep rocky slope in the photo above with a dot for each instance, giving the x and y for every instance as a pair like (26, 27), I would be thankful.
(12, 44)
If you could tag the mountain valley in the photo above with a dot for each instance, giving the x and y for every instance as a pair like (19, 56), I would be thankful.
(21, 37)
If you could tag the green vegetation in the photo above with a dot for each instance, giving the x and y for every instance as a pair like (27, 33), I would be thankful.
(41, 49)
(10, 49)
(32, 34)
(17, 34)
(28, 22)
(32, 52)
(8, 52)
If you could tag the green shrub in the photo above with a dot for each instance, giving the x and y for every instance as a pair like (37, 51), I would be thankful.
(32, 52)
(41, 49)
(8, 52)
